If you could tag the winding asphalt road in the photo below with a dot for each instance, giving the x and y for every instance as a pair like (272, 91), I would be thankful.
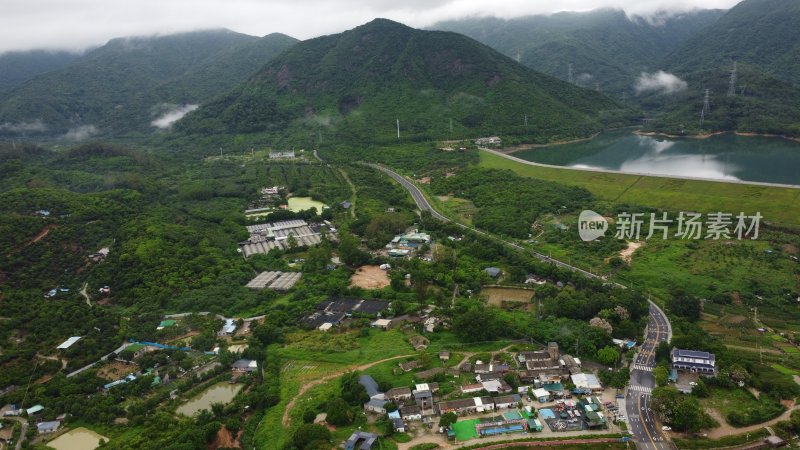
(424, 205)
(643, 424)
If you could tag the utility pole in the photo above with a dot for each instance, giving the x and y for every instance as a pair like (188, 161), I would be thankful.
(451, 126)
(526, 123)
(398, 128)
(569, 74)
(732, 85)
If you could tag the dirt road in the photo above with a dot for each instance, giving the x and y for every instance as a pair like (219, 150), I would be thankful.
(287, 421)
(726, 430)
(85, 294)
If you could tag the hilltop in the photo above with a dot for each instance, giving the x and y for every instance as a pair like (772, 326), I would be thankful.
(605, 47)
(763, 38)
(127, 83)
(357, 83)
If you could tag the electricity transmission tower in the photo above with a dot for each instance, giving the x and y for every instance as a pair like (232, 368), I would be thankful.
(569, 74)
(706, 108)
(732, 86)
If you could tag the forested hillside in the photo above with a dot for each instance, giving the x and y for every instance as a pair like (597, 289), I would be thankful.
(761, 37)
(130, 82)
(763, 34)
(606, 48)
(355, 85)
(19, 67)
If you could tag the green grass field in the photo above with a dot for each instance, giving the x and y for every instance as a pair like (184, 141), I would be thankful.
(345, 348)
(777, 205)
(465, 429)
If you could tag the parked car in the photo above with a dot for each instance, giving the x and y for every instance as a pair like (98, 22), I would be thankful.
(666, 428)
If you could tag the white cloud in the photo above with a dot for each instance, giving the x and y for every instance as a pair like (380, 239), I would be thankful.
(24, 127)
(80, 133)
(172, 114)
(661, 82)
(78, 24)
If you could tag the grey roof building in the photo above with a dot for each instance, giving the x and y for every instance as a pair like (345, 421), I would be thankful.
(693, 361)
(493, 272)
(371, 386)
(360, 440)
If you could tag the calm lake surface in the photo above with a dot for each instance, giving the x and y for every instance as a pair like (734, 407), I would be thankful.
(723, 157)
(218, 393)
(297, 204)
(77, 439)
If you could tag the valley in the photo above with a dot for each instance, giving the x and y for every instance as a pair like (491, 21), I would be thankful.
(404, 238)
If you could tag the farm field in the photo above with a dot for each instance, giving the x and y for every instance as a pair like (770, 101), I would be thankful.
(370, 277)
(502, 296)
(776, 204)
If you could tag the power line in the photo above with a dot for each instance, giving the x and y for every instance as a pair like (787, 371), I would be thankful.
(569, 74)
(706, 107)
(732, 84)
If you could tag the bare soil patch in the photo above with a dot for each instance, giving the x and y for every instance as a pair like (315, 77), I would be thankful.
(790, 249)
(225, 439)
(627, 253)
(370, 277)
(499, 295)
(115, 370)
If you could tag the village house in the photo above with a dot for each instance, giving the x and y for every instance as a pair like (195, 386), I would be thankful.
(507, 401)
(411, 412)
(493, 272)
(48, 427)
(693, 361)
(244, 366)
(398, 394)
(467, 405)
(382, 324)
(408, 366)
(489, 141)
(444, 356)
(228, 328)
(371, 386)
(360, 440)
(471, 388)
(541, 395)
(496, 386)
(482, 377)
(492, 367)
(428, 374)
(376, 405)
(397, 422)
(423, 396)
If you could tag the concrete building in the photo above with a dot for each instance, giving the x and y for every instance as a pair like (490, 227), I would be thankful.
(360, 440)
(693, 361)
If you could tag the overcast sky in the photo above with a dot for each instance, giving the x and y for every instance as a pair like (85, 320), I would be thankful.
(77, 24)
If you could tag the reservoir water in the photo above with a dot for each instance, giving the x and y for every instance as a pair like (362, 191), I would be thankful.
(218, 393)
(77, 439)
(297, 204)
(723, 157)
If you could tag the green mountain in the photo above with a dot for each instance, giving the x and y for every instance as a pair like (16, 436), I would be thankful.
(129, 82)
(606, 48)
(764, 34)
(19, 67)
(356, 84)
(763, 38)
